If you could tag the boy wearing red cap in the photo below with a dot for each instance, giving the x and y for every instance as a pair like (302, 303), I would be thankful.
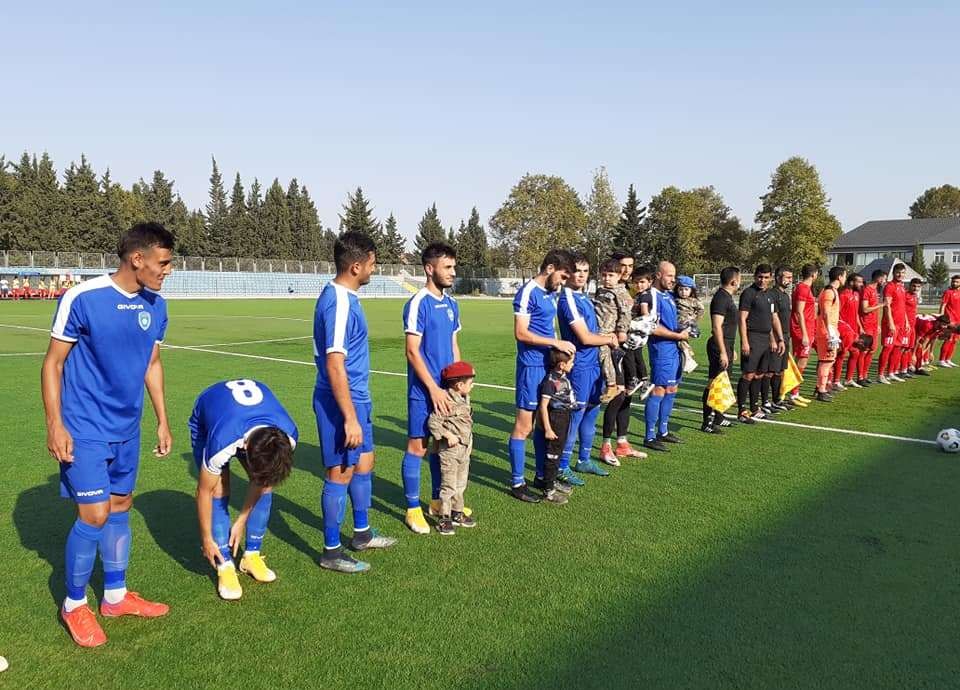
(453, 433)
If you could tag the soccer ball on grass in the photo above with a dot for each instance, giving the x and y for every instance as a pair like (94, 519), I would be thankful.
(949, 440)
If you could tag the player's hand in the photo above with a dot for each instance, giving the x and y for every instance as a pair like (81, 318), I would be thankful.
(211, 552)
(805, 341)
(565, 346)
(621, 338)
(614, 341)
(353, 433)
(164, 441)
(781, 347)
(724, 361)
(440, 401)
(550, 435)
(237, 533)
(60, 443)
(684, 335)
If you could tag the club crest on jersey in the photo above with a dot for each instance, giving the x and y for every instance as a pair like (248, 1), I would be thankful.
(450, 313)
(143, 318)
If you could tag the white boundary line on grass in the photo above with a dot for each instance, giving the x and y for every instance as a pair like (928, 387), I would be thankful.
(24, 328)
(249, 342)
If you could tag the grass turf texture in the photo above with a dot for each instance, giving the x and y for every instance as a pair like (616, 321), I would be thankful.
(768, 557)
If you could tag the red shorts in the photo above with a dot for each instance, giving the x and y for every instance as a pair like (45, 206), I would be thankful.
(798, 348)
(895, 338)
(847, 336)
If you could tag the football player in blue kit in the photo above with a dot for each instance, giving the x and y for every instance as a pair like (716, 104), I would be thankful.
(239, 419)
(104, 348)
(342, 403)
(578, 324)
(431, 321)
(534, 308)
(666, 361)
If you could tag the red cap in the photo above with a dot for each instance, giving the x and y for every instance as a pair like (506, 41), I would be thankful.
(457, 370)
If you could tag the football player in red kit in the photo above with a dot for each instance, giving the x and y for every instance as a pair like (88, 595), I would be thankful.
(850, 328)
(893, 326)
(950, 305)
(870, 311)
(912, 299)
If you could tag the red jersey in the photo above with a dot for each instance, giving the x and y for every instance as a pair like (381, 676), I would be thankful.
(911, 304)
(951, 304)
(871, 297)
(850, 308)
(898, 302)
(803, 294)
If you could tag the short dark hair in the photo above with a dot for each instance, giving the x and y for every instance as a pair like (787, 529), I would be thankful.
(560, 259)
(437, 250)
(852, 278)
(144, 236)
(916, 281)
(762, 268)
(579, 258)
(809, 270)
(269, 456)
(618, 256)
(836, 272)
(955, 277)
(610, 266)
(781, 270)
(899, 267)
(352, 247)
(645, 271)
(728, 274)
(879, 273)
(557, 356)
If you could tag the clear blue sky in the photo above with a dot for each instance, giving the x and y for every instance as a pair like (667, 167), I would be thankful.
(438, 101)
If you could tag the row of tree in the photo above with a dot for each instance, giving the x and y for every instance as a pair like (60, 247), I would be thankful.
(693, 227)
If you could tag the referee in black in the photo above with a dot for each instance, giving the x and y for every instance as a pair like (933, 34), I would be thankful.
(783, 280)
(724, 320)
(760, 334)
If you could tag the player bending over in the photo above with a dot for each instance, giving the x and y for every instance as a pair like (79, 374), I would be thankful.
(239, 419)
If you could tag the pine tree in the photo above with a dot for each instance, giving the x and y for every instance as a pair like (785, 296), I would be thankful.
(217, 230)
(394, 244)
(938, 273)
(312, 228)
(26, 204)
(236, 220)
(84, 211)
(162, 205)
(275, 223)
(472, 243)
(121, 210)
(429, 230)
(358, 216)
(631, 235)
(191, 241)
(917, 262)
(298, 235)
(603, 217)
(252, 242)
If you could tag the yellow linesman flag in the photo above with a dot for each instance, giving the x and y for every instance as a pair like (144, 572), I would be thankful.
(720, 395)
(791, 377)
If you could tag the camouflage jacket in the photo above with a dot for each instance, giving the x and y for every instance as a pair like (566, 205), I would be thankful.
(613, 309)
(456, 427)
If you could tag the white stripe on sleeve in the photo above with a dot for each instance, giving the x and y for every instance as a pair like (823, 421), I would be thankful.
(575, 314)
(340, 320)
(66, 303)
(523, 310)
(413, 313)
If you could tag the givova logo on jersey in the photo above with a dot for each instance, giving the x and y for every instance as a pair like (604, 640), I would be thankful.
(144, 319)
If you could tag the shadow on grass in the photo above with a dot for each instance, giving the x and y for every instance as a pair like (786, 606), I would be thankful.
(853, 586)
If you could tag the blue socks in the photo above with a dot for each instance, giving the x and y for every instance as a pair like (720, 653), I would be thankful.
(361, 490)
(435, 476)
(81, 553)
(333, 504)
(410, 472)
(651, 416)
(115, 550)
(517, 451)
(220, 526)
(539, 452)
(588, 430)
(575, 417)
(666, 407)
(257, 521)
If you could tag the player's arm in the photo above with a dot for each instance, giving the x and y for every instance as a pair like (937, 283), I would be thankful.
(779, 345)
(154, 383)
(544, 415)
(59, 441)
(584, 335)
(336, 364)
(521, 331)
(456, 347)
(888, 310)
(804, 336)
(207, 484)
(744, 338)
(662, 332)
(716, 325)
(438, 397)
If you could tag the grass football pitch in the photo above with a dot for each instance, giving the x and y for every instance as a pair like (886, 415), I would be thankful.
(772, 556)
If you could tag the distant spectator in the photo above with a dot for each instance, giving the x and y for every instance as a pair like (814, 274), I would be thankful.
(4, 288)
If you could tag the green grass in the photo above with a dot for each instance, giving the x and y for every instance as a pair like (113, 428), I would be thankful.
(769, 557)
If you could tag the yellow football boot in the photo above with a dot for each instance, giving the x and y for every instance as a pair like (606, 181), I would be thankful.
(227, 583)
(253, 565)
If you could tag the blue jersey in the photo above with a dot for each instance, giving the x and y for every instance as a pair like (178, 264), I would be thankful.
(540, 307)
(225, 413)
(435, 320)
(339, 325)
(664, 310)
(114, 333)
(577, 306)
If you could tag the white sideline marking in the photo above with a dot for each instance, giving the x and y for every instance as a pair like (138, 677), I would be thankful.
(249, 342)
(24, 328)
(20, 354)
(511, 388)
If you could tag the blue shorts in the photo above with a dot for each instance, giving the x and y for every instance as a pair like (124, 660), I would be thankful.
(418, 411)
(100, 469)
(666, 368)
(528, 386)
(587, 385)
(332, 436)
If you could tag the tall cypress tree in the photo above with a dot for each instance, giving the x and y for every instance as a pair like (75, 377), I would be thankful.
(217, 230)
(472, 243)
(429, 230)
(394, 244)
(85, 218)
(236, 220)
(312, 228)
(122, 209)
(252, 244)
(630, 235)
(275, 222)
(9, 220)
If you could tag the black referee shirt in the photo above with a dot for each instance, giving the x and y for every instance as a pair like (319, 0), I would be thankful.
(761, 306)
(723, 305)
(784, 307)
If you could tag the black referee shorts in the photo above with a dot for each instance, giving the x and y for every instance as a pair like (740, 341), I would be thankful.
(759, 358)
(713, 357)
